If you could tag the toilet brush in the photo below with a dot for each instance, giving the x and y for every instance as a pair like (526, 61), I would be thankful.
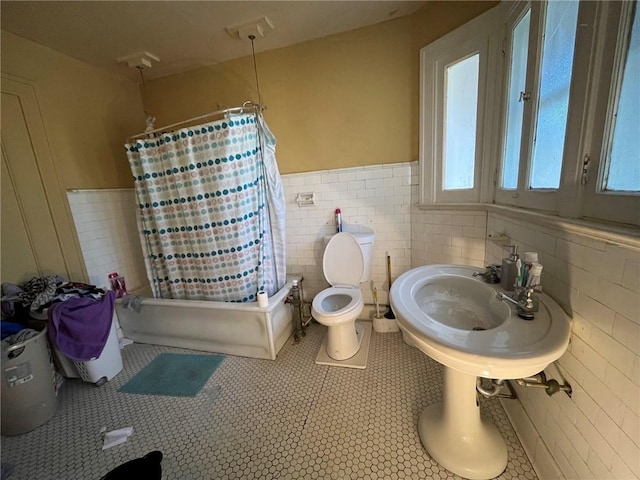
(389, 313)
(375, 299)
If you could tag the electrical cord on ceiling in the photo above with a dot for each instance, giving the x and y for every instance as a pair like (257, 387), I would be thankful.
(141, 75)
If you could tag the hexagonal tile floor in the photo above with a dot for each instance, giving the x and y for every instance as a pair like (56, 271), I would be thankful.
(282, 419)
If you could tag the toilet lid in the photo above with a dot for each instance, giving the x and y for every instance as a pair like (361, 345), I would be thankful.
(343, 262)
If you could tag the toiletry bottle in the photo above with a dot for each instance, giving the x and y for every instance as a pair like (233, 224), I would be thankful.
(509, 270)
(338, 221)
(528, 259)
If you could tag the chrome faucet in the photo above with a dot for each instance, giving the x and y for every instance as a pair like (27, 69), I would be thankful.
(490, 275)
(525, 301)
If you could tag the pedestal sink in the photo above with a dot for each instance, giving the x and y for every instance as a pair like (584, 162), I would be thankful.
(457, 320)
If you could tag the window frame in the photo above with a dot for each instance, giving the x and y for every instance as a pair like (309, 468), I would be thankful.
(481, 36)
(514, 16)
(612, 22)
(522, 196)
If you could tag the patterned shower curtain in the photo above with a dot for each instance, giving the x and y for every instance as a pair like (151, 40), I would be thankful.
(211, 210)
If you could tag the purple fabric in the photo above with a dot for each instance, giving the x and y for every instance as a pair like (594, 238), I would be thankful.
(79, 327)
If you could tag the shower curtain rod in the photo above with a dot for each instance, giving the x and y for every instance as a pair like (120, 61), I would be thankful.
(255, 107)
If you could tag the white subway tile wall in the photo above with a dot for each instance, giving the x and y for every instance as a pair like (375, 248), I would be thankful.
(378, 196)
(596, 433)
(105, 222)
(442, 236)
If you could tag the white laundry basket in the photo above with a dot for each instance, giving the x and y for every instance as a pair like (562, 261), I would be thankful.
(29, 397)
(107, 365)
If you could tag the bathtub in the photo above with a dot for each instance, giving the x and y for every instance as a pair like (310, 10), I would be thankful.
(243, 329)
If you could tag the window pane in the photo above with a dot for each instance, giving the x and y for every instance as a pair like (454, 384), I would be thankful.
(515, 107)
(624, 162)
(461, 105)
(553, 97)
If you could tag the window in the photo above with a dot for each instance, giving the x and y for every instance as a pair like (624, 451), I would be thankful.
(456, 74)
(515, 103)
(611, 171)
(541, 51)
(621, 168)
(553, 93)
(559, 132)
(578, 106)
(460, 123)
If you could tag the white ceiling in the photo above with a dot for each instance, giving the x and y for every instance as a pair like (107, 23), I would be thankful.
(184, 35)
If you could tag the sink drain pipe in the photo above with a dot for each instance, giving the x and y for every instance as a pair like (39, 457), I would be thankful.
(493, 387)
(551, 386)
(490, 387)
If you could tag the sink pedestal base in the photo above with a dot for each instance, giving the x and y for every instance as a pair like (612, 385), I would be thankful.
(456, 436)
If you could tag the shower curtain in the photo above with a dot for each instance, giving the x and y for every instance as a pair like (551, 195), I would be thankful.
(211, 210)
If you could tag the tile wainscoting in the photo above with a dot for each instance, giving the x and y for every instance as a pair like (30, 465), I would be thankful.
(595, 434)
(377, 196)
(107, 230)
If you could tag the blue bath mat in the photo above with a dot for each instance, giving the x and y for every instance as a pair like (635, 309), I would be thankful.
(174, 375)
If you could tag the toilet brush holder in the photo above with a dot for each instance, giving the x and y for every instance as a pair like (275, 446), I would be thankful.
(381, 324)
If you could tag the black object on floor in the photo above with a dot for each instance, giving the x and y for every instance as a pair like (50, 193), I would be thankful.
(145, 468)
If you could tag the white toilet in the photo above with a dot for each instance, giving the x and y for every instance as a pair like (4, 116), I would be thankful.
(346, 263)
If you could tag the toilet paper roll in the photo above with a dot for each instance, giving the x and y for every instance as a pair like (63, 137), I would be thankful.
(263, 299)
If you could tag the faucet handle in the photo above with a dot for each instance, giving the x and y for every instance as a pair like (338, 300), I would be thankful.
(490, 275)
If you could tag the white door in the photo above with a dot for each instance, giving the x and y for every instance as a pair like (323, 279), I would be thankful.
(30, 245)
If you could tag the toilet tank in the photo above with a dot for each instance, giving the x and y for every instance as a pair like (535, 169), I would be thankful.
(365, 237)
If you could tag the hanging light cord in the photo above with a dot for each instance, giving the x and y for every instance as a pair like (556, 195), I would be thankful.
(255, 67)
(149, 119)
(141, 76)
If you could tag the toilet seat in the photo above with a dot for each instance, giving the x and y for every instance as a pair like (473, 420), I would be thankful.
(342, 264)
(320, 306)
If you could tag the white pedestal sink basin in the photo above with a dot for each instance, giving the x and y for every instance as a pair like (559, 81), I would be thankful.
(457, 320)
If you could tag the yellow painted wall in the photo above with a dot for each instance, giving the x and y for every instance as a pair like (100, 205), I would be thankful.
(345, 100)
(339, 101)
(87, 113)
(431, 22)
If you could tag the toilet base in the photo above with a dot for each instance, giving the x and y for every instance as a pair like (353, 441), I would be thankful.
(343, 341)
(359, 360)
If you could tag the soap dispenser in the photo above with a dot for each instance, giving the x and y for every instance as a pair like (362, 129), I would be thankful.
(509, 271)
